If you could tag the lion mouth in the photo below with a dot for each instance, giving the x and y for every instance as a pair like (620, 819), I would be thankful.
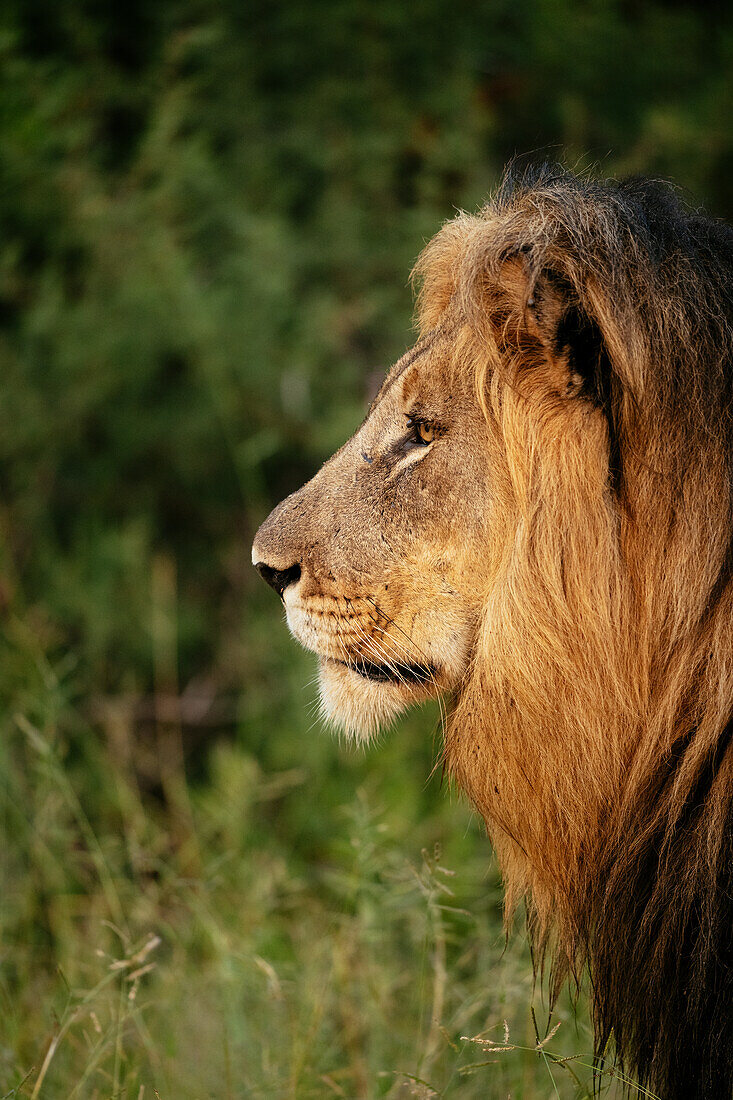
(394, 673)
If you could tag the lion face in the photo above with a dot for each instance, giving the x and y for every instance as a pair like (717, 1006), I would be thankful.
(380, 559)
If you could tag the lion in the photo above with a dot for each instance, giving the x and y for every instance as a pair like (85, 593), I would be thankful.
(534, 524)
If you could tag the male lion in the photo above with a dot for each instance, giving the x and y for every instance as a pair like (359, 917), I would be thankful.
(536, 519)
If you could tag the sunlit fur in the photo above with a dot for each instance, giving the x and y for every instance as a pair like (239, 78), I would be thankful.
(594, 730)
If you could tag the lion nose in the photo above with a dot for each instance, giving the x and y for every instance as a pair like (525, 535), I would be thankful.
(279, 579)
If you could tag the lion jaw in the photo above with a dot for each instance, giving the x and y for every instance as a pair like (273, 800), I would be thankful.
(369, 670)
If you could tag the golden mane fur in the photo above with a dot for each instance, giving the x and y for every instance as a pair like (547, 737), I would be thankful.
(592, 724)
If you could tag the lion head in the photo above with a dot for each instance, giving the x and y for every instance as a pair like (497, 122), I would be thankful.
(534, 523)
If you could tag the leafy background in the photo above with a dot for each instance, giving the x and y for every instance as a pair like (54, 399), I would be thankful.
(208, 214)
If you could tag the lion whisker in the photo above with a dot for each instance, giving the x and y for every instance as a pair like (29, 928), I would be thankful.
(378, 651)
(443, 712)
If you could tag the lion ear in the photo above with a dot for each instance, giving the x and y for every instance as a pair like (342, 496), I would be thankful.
(553, 314)
(551, 311)
(535, 299)
(578, 342)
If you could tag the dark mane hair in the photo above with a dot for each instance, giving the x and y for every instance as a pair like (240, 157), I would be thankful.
(601, 698)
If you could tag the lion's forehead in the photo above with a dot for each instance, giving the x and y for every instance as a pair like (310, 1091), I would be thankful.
(424, 363)
(425, 382)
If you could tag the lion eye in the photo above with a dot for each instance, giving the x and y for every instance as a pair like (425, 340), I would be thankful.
(423, 431)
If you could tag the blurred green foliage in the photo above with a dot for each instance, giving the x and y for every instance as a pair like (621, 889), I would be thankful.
(208, 214)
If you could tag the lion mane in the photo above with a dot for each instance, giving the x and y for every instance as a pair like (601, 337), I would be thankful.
(594, 729)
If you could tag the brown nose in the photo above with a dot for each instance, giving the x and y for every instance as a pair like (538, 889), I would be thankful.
(279, 579)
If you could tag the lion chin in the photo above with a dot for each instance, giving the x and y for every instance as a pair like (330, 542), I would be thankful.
(356, 706)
